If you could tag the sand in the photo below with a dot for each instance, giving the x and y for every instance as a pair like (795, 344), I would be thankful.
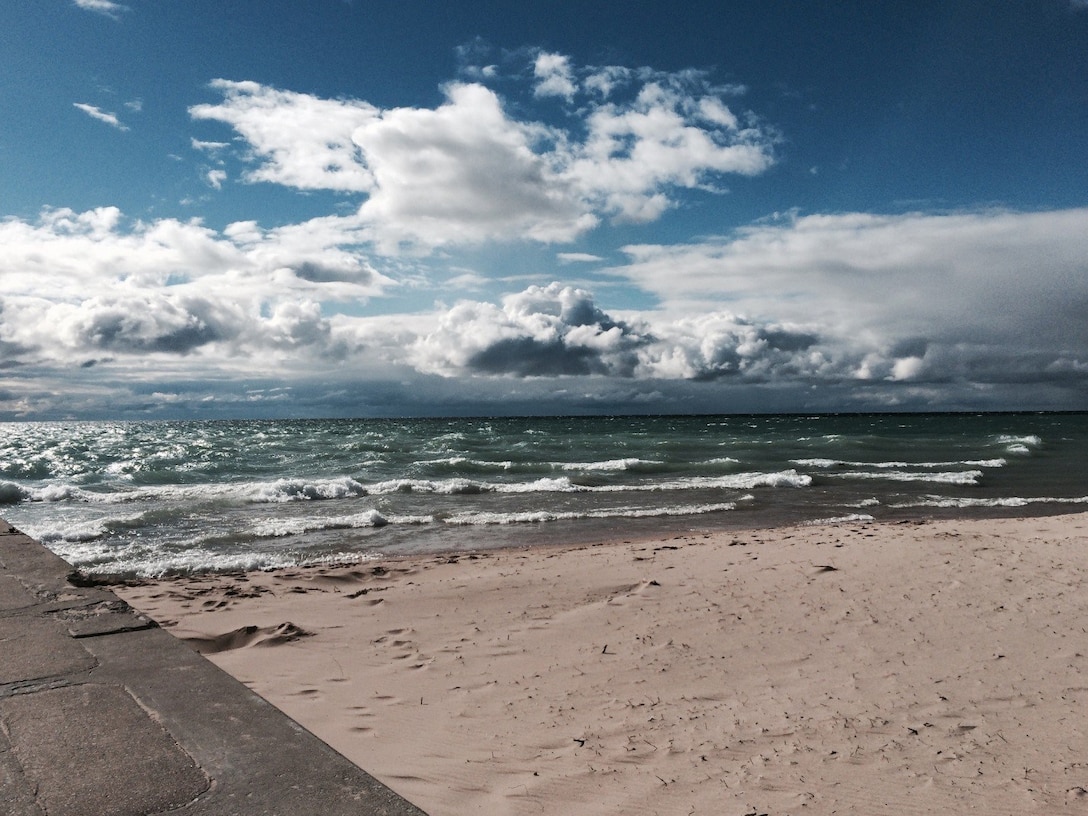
(916, 667)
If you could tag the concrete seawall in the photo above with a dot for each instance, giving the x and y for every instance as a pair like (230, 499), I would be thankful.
(102, 713)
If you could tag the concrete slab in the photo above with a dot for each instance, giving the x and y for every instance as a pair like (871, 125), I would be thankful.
(83, 764)
(13, 595)
(16, 794)
(35, 649)
(104, 618)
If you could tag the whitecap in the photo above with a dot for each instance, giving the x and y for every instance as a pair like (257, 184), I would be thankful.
(852, 518)
(830, 463)
(610, 464)
(285, 490)
(960, 502)
(541, 516)
(282, 527)
(1020, 445)
(960, 477)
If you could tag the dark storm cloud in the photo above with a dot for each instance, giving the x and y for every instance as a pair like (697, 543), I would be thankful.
(144, 325)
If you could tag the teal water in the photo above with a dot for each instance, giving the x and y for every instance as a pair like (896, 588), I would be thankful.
(164, 497)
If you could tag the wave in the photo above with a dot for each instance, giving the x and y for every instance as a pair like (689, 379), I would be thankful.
(451, 487)
(958, 477)
(196, 560)
(285, 490)
(563, 484)
(832, 463)
(608, 464)
(12, 493)
(280, 490)
(72, 531)
(540, 516)
(736, 481)
(279, 528)
(853, 517)
(1019, 444)
(1008, 501)
(462, 461)
(345, 487)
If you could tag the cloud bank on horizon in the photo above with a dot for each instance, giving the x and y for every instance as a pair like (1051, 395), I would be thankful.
(387, 303)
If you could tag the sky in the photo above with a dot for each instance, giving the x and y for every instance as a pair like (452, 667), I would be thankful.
(274, 208)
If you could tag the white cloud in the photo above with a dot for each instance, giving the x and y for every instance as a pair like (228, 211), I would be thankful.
(578, 257)
(541, 332)
(101, 115)
(77, 286)
(984, 298)
(299, 140)
(106, 7)
(602, 81)
(559, 331)
(989, 295)
(467, 171)
(211, 147)
(905, 307)
(672, 135)
(462, 173)
(890, 337)
(976, 298)
(554, 76)
(215, 178)
(961, 265)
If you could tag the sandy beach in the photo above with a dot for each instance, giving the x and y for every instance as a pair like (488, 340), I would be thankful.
(915, 667)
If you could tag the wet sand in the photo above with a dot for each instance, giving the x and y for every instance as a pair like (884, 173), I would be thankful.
(914, 667)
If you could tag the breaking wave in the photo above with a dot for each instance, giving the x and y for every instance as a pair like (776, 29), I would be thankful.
(538, 516)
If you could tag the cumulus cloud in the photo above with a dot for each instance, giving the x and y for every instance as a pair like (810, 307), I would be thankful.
(80, 286)
(721, 345)
(541, 332)
(554, 76)
(602, 81)
(982, 298)
(674, 134)
(140, 324)
(557, 331)
(464, 172)
(298, 140)
(102, 116)
(468, 171)
(912, 301)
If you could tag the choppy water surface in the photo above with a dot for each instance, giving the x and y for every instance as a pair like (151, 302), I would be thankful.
(152, 498)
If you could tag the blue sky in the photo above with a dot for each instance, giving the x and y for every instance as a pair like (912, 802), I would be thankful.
(330, 208)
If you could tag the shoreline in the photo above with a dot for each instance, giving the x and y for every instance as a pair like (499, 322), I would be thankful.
(593, 534)
(909, 665)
